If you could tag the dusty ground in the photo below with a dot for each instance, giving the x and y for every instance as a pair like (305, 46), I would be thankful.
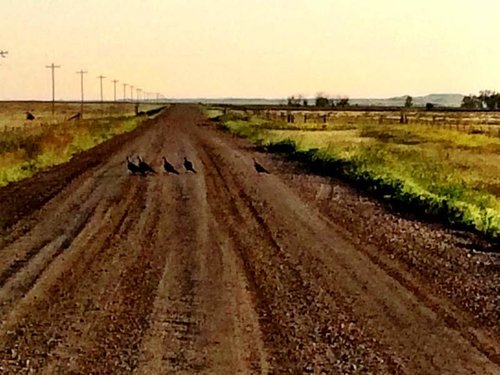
(226, 271)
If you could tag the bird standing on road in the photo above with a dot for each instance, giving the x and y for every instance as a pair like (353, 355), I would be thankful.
(132, 167)
(144, 167)
(169, 168)
(259, 168)
(188, 165)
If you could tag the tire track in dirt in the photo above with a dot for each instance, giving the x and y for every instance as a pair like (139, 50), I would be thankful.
(71, 214)
(125, 299)
(300, 339)
(36, 257)
(203, 320)
(175, 321)
(62, 292)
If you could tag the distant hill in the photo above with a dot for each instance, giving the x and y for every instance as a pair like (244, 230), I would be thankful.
(439, 100)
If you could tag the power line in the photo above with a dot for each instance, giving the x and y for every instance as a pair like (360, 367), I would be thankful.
(101, 77)
(53, 67)
(81, 72)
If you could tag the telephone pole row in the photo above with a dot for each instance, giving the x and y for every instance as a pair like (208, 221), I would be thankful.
(53, 67)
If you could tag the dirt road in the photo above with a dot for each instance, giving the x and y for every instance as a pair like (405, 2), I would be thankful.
(221, 272)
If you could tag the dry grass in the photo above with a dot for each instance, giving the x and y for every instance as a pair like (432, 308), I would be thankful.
(13, 114)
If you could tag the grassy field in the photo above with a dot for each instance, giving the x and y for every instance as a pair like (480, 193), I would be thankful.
(424, 168)
(479, 122)
(27, 147)
(13, 114)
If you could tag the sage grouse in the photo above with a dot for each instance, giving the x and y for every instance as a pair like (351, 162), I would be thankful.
(169, 168)
(188, 165)
(132, 167)
(145, 167)
(259, 168)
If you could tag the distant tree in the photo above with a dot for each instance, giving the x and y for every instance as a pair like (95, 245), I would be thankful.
(322, 101)
(471, 102)
(408, 101)
(343, 102)
(305, 103)
(468, 102)
(489, 99)
(429, 106)
(497, 101)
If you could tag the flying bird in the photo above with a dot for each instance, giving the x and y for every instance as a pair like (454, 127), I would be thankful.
(132, 167)
(259, 168)
(188, 165)
(169, 168)
(145, 167)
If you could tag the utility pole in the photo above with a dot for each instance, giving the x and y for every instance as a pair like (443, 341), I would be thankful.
(81, 72)
(131, 93)
(114, 83)
(53, 67)
(138, 95)
(101, 77)
(157, 97)
(125, 92)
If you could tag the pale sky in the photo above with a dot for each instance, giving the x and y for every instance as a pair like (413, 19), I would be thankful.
(252, 48)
